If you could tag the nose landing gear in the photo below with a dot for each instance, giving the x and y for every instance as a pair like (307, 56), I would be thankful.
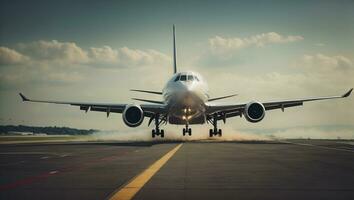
(187, 130)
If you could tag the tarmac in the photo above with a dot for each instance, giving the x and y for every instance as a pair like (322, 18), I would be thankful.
(291, 169)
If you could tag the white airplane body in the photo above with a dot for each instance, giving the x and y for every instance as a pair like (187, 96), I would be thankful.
(186, 101)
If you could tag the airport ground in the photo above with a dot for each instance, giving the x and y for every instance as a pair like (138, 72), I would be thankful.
(291, 169)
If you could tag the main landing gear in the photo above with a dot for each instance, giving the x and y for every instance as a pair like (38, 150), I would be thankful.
(215, 130)
(157, 130)
(187, 130)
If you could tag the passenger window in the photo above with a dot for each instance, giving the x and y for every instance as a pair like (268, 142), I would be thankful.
(190, 77)
(177, 78)
(183, 78)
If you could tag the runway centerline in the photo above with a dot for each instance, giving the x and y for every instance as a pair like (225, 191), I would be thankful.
(133, 186)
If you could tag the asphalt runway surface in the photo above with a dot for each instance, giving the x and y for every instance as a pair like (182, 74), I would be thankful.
(295, 169)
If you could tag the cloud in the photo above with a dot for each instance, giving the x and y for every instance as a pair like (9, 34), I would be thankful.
(11, 57)
(58, 62)
(219, 44)
(54, 52)
(104, 54)
(325, 63)
(125, 57)
(69, 54)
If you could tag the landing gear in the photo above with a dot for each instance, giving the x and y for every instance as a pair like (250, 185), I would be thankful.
(157, 130)
(215, 130)
(187, 130)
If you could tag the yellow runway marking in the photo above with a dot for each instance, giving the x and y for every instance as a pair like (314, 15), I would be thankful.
(133, 187)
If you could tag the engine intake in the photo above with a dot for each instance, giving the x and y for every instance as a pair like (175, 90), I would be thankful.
(254, 112)
(133, 115)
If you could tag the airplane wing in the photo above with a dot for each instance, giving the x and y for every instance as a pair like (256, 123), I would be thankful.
(232, 110)
(149, 109)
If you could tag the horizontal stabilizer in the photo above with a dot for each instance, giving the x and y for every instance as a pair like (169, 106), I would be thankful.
(224, 97)
(150, 101)
(147, 91)
(23, 97)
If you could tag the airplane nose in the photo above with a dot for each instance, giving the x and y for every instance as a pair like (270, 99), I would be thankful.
(186, 87)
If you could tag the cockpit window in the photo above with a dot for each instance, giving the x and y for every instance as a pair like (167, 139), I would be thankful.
(190, 77)
(177, 78)
(196, 78)
(183, 78)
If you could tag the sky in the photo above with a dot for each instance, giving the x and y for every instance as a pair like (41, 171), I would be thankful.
(96, 51)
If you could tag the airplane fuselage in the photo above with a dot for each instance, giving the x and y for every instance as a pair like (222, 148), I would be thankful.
(185, 95)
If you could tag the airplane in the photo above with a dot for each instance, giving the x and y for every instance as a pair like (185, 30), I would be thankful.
(185, 102)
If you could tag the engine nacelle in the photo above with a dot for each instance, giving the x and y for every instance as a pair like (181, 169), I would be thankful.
(254, 112)
(133, 115)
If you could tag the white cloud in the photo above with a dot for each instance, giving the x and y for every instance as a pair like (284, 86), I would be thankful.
(126, 57)
(219, 44)
(10, 57)
(68, 54)
(104, 54)
(54, 52)
(65, 62)
(325, 63)
(136, 56)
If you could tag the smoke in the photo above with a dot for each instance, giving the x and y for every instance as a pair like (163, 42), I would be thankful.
(201, 133)
(313, 133)
(174, 133)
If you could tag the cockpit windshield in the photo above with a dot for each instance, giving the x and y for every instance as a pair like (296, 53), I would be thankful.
(185, 77)
(177, 77)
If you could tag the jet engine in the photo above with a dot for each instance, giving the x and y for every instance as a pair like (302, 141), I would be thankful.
(133, 115)
(254, 112)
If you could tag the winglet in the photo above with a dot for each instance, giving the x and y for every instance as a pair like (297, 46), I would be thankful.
(23, 97)
(347, 93)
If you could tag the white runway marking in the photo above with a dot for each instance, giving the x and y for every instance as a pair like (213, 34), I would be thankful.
(322, 147)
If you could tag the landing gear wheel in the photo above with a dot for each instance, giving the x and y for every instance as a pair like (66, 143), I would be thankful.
(157, 131)
(220, 132)
(190, 131)
(153, 133)
(215, 130)
(184, 131)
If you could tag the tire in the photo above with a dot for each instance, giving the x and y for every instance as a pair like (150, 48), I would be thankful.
(190, 131)
(184, 131)
(153, 133)
(210, 132)
(220, 132)
(162, 133)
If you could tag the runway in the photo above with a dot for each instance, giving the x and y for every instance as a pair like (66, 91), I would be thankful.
(293, 169)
